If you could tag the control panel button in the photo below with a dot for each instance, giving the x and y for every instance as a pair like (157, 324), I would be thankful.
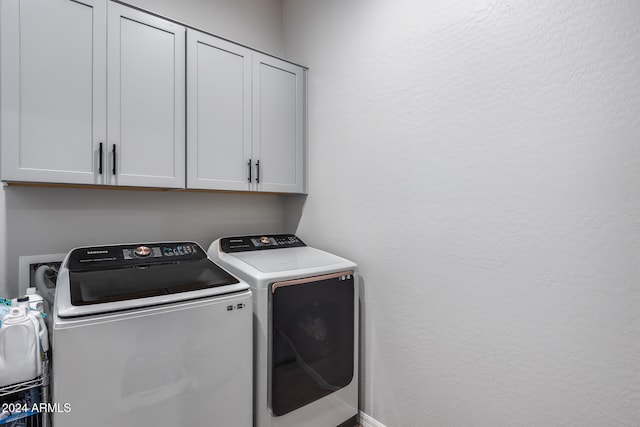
(143, 251)
(258, 243)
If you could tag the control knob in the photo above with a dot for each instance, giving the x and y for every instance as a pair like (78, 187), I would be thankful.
(143, 251)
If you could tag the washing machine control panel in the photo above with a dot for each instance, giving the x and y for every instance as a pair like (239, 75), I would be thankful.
(122, 256)
(258, 243)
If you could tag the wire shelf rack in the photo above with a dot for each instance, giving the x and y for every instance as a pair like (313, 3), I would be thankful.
(28, 417)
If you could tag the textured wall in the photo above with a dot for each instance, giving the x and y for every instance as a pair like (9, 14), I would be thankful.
(480, 161)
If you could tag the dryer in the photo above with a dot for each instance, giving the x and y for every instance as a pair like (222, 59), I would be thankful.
(152, 334)
(305, 304)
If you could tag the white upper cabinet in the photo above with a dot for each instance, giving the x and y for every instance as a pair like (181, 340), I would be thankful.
(245, 115)
(53, 85)
(145, 99)
(59, 124)
(96, 92)
(278, 124)
(218, 113)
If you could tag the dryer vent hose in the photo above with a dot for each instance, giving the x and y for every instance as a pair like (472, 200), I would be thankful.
(45, 282)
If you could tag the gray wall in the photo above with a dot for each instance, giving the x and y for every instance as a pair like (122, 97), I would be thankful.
(55, 220)
(47, 220)
(480, 161)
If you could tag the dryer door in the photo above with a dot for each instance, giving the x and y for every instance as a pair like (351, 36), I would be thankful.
(312, 339)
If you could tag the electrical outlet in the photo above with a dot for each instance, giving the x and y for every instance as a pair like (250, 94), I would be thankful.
(28, 265)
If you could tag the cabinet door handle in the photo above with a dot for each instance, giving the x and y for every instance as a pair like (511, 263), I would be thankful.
(113, 170)
(100, 160)
(249, 164)
(258, 171)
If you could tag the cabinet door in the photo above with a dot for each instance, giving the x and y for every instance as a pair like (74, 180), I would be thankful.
(218, 114)
(278, 124)
(53, 85)
(145, 99)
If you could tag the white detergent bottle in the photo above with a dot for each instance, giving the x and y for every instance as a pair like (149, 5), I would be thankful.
(19, 347)
(34, 301)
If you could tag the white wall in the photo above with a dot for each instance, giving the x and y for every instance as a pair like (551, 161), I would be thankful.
(46, 220)
(480, 161)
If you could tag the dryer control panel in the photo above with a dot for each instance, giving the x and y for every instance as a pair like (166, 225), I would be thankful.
(258, 243)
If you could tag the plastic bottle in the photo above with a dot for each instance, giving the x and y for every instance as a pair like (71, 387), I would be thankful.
(36, 301)
(36, 319)
(5, 307)
(4, 310)
(19, 346)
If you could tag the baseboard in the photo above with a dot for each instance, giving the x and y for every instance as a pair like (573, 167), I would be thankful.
(369, 421)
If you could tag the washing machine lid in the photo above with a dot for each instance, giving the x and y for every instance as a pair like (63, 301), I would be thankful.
(119, 277)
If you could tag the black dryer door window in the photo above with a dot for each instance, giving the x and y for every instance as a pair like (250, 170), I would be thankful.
(312, 334)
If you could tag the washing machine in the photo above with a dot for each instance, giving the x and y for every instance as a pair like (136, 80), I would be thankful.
(305, 304)
(152, 334)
